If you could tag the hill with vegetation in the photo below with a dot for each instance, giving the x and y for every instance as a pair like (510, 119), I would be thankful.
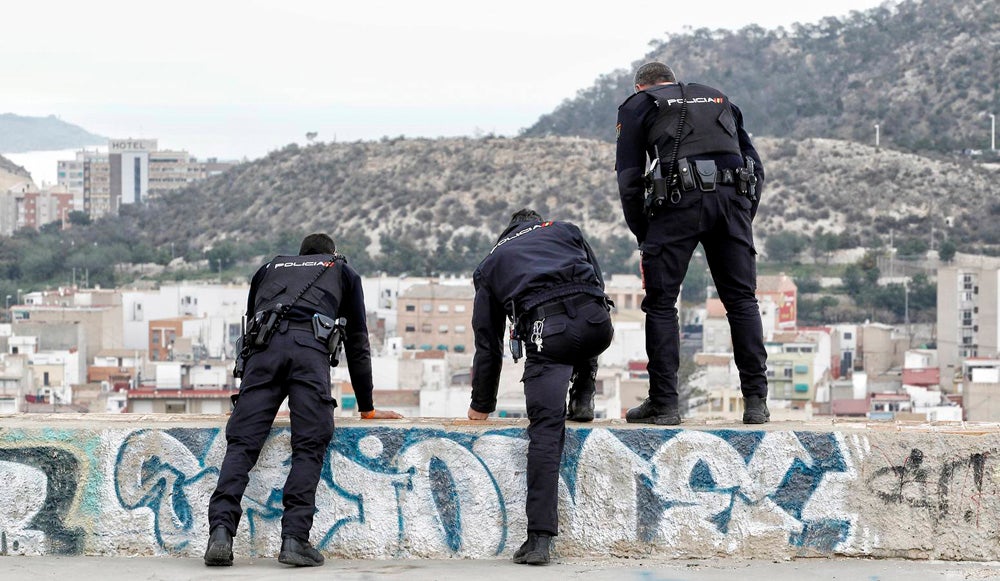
(435, 205)
(926, 71)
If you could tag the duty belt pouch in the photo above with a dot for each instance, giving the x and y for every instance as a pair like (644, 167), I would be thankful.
(705, 168)
(322, 327)
(685, 174)
(262, 328)
(330, 332)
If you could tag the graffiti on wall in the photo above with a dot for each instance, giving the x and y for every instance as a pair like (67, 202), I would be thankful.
(423, 492)
(955, 487)
(40, 485)
(427, 492)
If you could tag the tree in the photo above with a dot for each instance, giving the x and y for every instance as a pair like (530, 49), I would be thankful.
(784, 246)
(947, 251)
(78, 218)
(824, 243)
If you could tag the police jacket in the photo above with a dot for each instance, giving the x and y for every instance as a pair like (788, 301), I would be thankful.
(713, 129)
(337, 292)
(531, 264)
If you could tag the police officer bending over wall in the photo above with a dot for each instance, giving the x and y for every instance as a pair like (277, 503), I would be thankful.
(704, 186)
(299, 310)
(543, 276)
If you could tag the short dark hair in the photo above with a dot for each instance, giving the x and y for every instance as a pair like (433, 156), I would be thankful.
(525, 215)
(653, 73)
(317, 244)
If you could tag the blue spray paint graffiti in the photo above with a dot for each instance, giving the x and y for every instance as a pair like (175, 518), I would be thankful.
(429, 492)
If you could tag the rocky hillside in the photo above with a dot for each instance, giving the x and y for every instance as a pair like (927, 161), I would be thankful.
(432, 193)
(11, 173)
(926, 71)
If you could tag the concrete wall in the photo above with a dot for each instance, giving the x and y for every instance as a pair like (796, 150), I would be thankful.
(123, 486)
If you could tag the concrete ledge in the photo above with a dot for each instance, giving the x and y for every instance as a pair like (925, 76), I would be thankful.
(127, 485)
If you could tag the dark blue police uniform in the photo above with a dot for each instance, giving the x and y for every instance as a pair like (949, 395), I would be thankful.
(547, 274)
(719, 219)
(294, 365)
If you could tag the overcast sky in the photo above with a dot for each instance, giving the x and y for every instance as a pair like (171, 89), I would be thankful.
(232, 79)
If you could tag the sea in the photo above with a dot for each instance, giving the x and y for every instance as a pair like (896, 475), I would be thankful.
(44, 165)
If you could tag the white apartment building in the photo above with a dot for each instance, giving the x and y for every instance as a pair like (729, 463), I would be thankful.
(968, 313)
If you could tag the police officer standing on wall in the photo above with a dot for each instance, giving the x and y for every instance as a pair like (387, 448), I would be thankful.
(704, 185)
(298, 310)
(545, 278)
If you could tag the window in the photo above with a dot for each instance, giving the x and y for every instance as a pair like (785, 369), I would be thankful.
(426, 307)
(459, 328)
(442, 308)
(459, 308)
(425, 328)
(411, 308)
(411, 328)
(442, 329)
(966, 318)
(801, 369)
(787, 372)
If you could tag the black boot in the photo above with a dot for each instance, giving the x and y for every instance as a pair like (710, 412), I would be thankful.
(581, 408)
(299, 553)
(649, 413)
(755, 410)
(535, 550)
(219, 552)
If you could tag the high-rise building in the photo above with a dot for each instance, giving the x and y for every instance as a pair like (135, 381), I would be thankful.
(132, 171)
(968, 313)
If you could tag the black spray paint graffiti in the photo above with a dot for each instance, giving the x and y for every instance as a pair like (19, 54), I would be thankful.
(62, 473)
(914, 484)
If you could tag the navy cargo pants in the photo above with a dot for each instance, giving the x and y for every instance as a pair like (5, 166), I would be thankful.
(569, 340)
(720, 221)
(297, 366)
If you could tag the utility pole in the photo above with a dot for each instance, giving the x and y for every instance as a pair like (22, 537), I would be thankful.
(993, 132)
(892, 253)
(876, 136)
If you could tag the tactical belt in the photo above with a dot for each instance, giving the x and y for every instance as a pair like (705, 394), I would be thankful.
(726, 177)
(559, 306)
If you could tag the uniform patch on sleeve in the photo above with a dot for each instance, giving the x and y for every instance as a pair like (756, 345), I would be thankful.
(618, 131)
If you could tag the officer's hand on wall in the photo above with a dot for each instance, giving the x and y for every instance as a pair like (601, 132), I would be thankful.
(381, 415)
(474, 415)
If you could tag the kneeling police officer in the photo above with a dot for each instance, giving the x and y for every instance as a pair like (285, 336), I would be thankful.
(299, 309)
(545, 278)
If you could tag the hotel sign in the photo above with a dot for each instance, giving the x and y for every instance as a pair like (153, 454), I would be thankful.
(125, 145)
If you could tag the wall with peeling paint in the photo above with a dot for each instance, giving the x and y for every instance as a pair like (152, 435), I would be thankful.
(101, 486)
